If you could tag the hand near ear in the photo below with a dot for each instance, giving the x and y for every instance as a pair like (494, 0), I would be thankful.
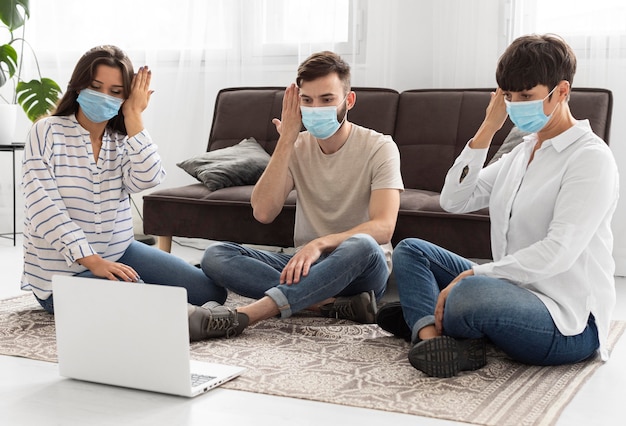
(495, 116)
(137, 101)
(140, 92)
(290, 122)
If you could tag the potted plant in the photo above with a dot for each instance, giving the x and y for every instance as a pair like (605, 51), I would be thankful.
(37, 97)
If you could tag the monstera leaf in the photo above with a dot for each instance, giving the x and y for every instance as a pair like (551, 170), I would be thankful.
(10, 14)
(37, 97)
(8, 63)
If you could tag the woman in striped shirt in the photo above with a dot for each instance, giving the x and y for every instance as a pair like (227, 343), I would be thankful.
(80, 165)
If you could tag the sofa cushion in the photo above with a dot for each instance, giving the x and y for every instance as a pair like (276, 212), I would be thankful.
(420, 200)
(237, 165)
(513, 139)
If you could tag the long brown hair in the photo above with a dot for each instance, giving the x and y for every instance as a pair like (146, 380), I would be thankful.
(83, 75)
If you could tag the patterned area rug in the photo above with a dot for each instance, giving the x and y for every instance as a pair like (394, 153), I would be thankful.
(340, 362)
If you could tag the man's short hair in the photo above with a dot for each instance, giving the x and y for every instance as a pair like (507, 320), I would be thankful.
(535, 59)
(320, 65)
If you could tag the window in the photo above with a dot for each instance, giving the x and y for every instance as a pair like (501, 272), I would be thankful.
(581, 17)
(586, 25)
(132, 25)
(287, 27)
(213, 27)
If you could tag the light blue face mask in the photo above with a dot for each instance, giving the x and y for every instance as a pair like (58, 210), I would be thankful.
(322, 122)
(528, 116)
(98, 107)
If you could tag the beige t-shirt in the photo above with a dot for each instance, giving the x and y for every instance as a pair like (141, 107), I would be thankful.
(334, 190)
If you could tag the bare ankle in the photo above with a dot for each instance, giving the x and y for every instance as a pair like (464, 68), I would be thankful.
(260, 310)
(316, 307)
(428, 332)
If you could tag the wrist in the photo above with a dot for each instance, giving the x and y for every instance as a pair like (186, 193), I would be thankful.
(89, 261)
(483, 137)
(285, 144)
(133, 126)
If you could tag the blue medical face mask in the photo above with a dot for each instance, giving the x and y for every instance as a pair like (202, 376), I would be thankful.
(322, 122)
(528, 116)
(98, 107)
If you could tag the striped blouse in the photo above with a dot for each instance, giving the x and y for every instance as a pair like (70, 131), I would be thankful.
(75, 207)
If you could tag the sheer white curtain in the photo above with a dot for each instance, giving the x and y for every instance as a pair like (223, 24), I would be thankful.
(432, 43)
(195, 48)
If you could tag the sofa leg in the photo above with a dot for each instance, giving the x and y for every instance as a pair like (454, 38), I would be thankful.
(165, 243)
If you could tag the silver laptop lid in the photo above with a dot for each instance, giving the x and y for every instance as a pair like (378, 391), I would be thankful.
(124, 334)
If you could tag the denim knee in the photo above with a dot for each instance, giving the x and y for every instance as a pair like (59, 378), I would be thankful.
(367, 242)
(403, 247)
(214, 253)
(409, 253)
(362, 245)
(470, 305)
(467, 296)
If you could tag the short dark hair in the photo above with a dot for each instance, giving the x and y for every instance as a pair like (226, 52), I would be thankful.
(320, 65)
(84, 73)
(535, 59)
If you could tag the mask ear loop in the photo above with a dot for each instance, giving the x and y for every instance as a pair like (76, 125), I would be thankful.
(551, 92)
(557, 105)
(345, 115)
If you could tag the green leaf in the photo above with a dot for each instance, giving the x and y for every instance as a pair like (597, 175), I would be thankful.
(8, 57)
(37, 98)
(10, 14)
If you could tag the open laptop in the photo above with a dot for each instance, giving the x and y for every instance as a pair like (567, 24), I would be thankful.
(131, 335)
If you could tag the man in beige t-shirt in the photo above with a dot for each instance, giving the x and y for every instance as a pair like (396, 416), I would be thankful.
(348, 185)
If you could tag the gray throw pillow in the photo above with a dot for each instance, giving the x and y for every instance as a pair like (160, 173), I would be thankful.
(513, 139)
(237, 165)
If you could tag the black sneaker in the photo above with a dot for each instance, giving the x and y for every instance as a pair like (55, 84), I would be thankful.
(445, 356)
(215, 320)
(391, 319)
(360, 308)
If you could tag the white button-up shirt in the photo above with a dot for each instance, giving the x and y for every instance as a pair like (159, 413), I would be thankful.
(550, 222)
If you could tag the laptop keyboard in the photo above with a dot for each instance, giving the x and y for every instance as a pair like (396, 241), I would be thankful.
(199, 379)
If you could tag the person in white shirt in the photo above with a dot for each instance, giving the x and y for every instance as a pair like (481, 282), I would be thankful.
(80, 165)
(548, 295)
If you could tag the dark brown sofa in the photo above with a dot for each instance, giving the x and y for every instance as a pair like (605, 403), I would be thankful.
(430, 127)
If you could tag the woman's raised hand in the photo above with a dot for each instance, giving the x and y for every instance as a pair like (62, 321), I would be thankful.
(137, 101)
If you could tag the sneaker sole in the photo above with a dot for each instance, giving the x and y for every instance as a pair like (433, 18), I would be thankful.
(445, 356)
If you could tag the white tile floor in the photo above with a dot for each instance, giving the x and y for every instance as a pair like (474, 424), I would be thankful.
(32, 393)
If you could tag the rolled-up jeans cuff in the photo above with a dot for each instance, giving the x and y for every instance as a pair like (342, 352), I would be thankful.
(281, 301)
(421, 323)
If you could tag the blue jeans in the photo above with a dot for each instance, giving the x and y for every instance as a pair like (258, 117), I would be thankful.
(155, 266)
(512, 318)
(355, 266)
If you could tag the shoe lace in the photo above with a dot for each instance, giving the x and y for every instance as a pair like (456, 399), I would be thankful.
(228, 324)
(344, 310)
